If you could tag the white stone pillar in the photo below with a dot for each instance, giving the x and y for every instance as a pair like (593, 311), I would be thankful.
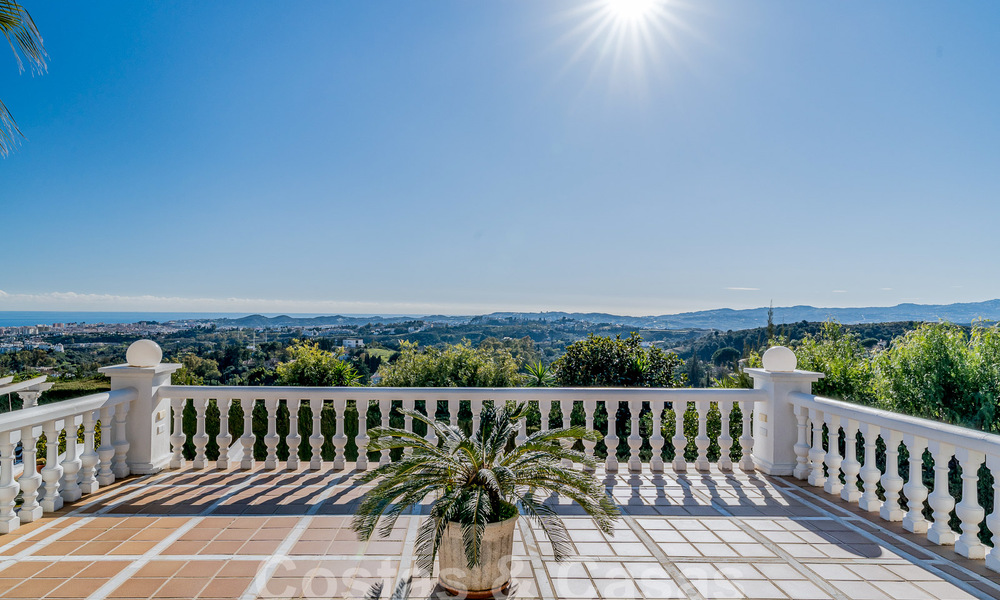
(148, 426)
(775, 426)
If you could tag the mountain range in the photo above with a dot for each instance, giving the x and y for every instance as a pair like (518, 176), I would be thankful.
(722, 318)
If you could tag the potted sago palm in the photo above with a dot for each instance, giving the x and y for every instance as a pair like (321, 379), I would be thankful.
(479, 485)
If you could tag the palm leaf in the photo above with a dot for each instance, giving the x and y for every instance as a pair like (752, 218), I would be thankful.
(19, 29)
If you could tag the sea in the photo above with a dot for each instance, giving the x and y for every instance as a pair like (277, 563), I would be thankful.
(20, 318)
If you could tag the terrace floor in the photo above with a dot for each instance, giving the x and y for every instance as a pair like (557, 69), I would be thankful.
(279, 534)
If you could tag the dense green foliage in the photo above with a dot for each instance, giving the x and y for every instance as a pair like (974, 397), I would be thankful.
(311, 366)
(613, 362)
(479, 479)
(453, 365)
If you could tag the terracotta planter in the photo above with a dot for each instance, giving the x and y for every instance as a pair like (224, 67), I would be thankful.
(488, 579)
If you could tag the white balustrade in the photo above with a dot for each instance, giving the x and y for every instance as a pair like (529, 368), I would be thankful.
(589, 406)
(339, 439)
(248, 439)
(200, 438)
(702, 441)
(30, 480)
(385, 406)
(89, 458)
(294, 439)
(119, 463)
(850, 466)
(634, 437)
(271, 438)
(106, 452)
(224, 439)
(968, 510)
(566, 407)
(8, 486)
(833, 458)
(870, 473)
(177, 438)
(71, 465)
(362, 439)
(611, 439)
(656, 439)
(915, 490)
(725, 437)
(52, 471)
(970, 449)
(316, 436)
(746, 437)
(680, 439)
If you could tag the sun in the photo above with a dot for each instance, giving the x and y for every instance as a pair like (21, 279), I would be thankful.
(631, 11)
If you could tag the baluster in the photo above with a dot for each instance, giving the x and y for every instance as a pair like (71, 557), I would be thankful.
(294, 439)
(892, 483)
(52, 471)
(746, 438)
(430, 409)
(816, 455)
(915, 490)
(339, 439)
(200, 438)
(362, 438)
(88, 460)
(968, 510)
(271, 438)
(802, 447)
(611, 440)
(634, 436)
(522, 431)
(701, 441)
(385, 406)
(725, 438)
(119, 464)
(656, 439)
(8, 487)
(408, 423)
(993, 521)
(941, 500)
(589, 406)
(680, 439)
(477, 412)
(869, 472)
(851, 467)
(544, 409)
(177, 437)
(106, 452)
(71, 465)
(453, 407)
(833, 458)
(566, 407)
(316, 437)
(224, 439)
(30, 479)
(248, 439)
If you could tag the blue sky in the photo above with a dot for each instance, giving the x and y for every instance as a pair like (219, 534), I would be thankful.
(459, 157)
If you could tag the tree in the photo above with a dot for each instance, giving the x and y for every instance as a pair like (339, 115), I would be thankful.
(24, 39)
(453, 365)
(841, 357)
(725, 356)
(311, 366)
(605, 362)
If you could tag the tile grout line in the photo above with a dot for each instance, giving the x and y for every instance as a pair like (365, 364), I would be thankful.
(114, 582)
(280, 554)
(683, 583)
(899, 545)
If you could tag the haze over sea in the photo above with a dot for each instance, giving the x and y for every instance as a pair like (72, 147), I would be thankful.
(45, 317)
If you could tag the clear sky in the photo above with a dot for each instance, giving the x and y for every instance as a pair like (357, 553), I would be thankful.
(461, 157)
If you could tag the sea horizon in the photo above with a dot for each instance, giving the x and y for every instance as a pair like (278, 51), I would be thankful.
(22, 318)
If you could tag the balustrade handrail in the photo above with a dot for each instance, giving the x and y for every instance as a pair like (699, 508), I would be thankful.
(955, 435)
(206, 392)
(37, 415)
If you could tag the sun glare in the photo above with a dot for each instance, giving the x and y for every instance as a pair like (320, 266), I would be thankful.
(631, 10)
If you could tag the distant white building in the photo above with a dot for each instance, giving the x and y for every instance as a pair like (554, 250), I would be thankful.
(354, 343)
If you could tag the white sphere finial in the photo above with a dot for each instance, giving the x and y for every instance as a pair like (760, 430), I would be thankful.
(779, 359)
(143, 353)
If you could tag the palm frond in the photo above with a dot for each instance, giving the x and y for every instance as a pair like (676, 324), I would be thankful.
(19, 29)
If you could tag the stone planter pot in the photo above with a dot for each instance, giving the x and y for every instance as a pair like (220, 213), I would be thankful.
(488, 579)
